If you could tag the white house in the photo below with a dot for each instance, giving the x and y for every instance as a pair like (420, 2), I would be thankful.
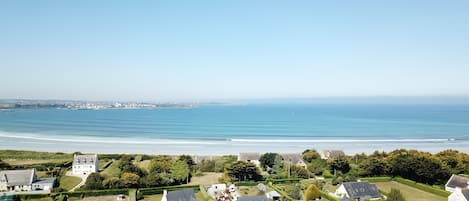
(85, 164)
(456, 182)
(459, 195)
(294, 158)
(358, 191)
(24, 180)
(250, 157)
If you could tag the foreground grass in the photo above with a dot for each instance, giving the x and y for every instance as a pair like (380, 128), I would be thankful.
(113, 170)
(206, 179)
(68, 182)
(409, 193)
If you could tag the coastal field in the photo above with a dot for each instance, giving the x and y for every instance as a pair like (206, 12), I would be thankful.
(410, 193)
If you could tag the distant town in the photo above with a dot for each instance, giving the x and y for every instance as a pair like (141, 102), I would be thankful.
(88, 105)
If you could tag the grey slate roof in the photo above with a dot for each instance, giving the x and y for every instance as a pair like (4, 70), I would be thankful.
(253, 198)
(181, 195)
(361, 189)
(465, 193)
(292, 157)
(248, 156)
(19, 177)
(458, 181)
(85, 159)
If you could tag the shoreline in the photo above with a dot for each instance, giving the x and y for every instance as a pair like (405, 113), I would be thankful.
(221, 147)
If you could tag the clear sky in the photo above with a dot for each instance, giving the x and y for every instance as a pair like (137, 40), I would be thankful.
(221, 49)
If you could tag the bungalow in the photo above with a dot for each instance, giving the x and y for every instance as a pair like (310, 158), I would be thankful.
(358, 191)
(459, 195)
(326, 154)
(456, 182)
(84, 164)
(180, 195)
(24, 180)
(253, 198)
(250, 157)
(294, 158)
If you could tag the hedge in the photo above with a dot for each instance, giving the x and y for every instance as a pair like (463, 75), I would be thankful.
(94, 192)
(283, 193)
(376, 179)
(284, 181)
(328, 197)
(423, 187)
(31, 196)
(247, 183)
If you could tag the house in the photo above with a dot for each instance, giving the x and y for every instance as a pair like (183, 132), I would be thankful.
(24, 180)
(180, 195)
(294, 158)
(250, 157)
(326, 154)
(358, 191)
(273, 195)
(459, 195)
(84, 165)
(253, 198)
(456, 182)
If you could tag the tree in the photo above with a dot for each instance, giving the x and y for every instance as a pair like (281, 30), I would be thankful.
(298, 172)
(310, 154)
(188, 159)
(180, 171)
(458, 162)
(278, 164)
(4, 165)
(160, 164)
(127, 166)
(157, 179)
(243, 171)
(207, 166)
(373, 167)
(130, 180)
(94, 182)
(112, 182)
(312, 193)
(268, 159)
(317, 166)
(395, 195)
(338, 164)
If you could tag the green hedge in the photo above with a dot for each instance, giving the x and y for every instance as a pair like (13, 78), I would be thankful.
(247, 183)
(376, 179)
(284, 181)
(423, 187)
(283, 193)
(328, 197)
(31, 196)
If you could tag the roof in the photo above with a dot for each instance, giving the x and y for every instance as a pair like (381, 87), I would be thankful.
(181, 195)
(294, 158)
(273, 194)
(458, 181)
(253, 198)
(361, 189)
(85, 159)
(18, 177)
(249, 156)
(45, 181)
(334, 153)
(465, 193)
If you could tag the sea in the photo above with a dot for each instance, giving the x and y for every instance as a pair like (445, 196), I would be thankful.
(230, 129)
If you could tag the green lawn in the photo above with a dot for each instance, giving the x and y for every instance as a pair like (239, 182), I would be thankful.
(113, 170)
(410, 193)
(68, 182)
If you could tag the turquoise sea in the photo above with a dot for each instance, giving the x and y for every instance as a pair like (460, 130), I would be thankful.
(237, 128)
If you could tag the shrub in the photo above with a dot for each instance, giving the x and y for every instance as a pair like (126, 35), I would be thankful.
(312, 193)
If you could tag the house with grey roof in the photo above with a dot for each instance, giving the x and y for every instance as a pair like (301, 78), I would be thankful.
(179, 195)
(456, 182)
(253, 198)
(294, 158)
(24, 180)
(84, 164)
(326, 154)
(358, 191)
(459, 195)
(252, 157)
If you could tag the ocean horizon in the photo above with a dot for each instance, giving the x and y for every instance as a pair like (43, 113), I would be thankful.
(229, 129)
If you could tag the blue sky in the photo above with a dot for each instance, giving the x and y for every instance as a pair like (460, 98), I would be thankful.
(199, 50)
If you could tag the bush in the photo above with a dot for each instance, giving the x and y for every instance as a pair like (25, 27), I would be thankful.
(395, 195)
(312, 193)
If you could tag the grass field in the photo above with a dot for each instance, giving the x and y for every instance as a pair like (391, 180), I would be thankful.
(207, 178)
(410, 193)
(113, 170)
(68, 182)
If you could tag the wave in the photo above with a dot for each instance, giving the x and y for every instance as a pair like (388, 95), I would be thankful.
(342, 140)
